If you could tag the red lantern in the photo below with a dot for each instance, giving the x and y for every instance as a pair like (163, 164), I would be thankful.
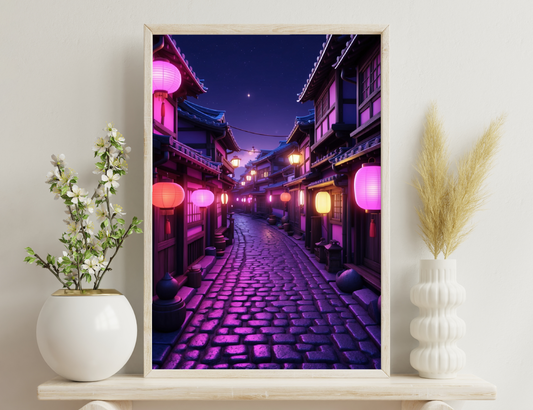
(166, 196)
(202, 198)
(285, 197)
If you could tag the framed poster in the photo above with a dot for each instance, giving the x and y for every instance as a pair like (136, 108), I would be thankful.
(266, 201)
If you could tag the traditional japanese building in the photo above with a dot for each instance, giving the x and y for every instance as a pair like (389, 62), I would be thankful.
(345, 87)
(190, 147)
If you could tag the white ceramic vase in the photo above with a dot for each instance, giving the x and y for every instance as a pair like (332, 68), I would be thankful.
(86, 337)
(437, 327)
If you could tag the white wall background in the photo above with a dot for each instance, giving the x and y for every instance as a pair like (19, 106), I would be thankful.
(68, 67)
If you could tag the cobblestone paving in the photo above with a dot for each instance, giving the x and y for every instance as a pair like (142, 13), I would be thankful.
(270, 308)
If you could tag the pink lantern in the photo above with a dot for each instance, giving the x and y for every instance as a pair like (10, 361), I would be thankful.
(367, 187)
(202, 198)
(166, 79)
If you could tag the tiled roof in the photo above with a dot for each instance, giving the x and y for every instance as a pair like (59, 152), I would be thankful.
(332, 154)
(331, 178)
(281, 171)
(358, 150)
(276, 185)
(299, 179)
(208, 117)
(324, 62)
(345, 50)
(178, 58)
(281, 148)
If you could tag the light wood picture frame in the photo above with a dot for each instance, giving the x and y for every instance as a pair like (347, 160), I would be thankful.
(291, 375)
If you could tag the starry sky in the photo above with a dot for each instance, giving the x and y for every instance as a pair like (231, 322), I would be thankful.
(256, 79)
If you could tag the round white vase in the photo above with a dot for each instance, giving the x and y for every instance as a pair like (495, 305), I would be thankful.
(437, 327)
(86, 336)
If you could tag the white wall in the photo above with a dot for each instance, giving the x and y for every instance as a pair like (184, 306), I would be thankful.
(68, 67)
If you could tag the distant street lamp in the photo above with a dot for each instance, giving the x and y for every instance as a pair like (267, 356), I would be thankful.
(243, 183)
(253, 172)
(248, 177)
(295, 158)
(236, 162)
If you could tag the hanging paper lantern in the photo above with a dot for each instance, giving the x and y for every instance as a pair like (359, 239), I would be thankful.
(367, 187)
(253, 172)
(224, 198)
(294, 158)
(236, 162)
(249, 200)
(323, 202)
(285, 197)
(167, 196)
(248, 177)
(302, 197)
(270, 198)
(202, 198)
(166, 79)
(243, 183)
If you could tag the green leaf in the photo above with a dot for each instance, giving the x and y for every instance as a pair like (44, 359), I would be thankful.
(105, 223)
(138, 230)
(64, 190)
(100, 165)
(69, 284)
(130, 231)
(49, 258)
(29, 259)
(30, 251)
(121, 221)
(88, 278)
(112, 190)
(39, 263)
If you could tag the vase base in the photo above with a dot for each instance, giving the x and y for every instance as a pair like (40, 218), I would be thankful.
(437, 375)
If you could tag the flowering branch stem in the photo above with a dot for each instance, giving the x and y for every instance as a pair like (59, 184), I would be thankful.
(97, 282)
(52, 269)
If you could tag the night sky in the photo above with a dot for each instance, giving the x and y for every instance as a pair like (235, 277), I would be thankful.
(255, 79)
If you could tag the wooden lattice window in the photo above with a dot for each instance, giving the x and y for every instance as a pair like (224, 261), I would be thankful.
(265, 174)
(337, 206)
(193, 212)
(371, 77)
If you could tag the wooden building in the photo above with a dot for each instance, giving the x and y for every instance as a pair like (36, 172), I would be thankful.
(190, 147)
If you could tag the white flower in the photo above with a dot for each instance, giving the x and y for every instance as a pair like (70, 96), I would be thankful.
(111, 132)
(127, 150)
(100, 194)
(52, 176)
(95, 244)
(72, 227)
(111, 179)
(77, 194)
(119, 138)
(58, 162)
(89, 203)
(119, 163)
(66, 176)
(101, 214)
(91, 265)
(101, 145)
(56, 191)
(101, 260)
(89, 228)
(117, 209)
(113, 152)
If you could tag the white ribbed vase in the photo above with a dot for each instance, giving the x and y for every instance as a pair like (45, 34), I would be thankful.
(437, 327)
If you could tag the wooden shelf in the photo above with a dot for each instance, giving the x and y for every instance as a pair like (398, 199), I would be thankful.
(397, 387)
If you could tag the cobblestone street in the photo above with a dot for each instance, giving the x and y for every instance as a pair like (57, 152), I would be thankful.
(270, 307)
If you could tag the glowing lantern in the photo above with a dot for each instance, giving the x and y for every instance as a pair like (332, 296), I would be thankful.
(302, 198)
(224, 198)
(249, 200)
(253, 172)
(166, 79)
(270, 198)
(248, 177)
(367, 187)
(166, 196)
(202, 198)
(243, 183)
(323, 202)
(294, 158)
(285, 197)
(236, 162)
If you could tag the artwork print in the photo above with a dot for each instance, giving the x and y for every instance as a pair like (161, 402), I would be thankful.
(266, 201)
